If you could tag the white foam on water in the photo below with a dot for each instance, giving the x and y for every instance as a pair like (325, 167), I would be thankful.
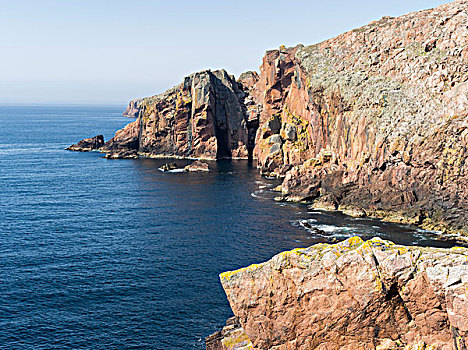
(420, 230)
(312, 226)
(172, 171)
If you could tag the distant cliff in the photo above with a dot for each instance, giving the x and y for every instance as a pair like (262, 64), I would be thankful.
(133, 108)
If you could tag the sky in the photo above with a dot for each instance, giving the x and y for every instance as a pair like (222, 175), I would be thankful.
(109, 52)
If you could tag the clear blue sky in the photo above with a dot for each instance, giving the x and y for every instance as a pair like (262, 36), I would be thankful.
(103, 51)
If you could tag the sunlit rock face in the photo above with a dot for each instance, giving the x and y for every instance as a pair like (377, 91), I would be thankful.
(353, 295)
(204, 117)
(373, 119)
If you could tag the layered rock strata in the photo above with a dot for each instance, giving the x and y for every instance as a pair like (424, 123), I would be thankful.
(352, 295)
(133, 108)
(374, 120)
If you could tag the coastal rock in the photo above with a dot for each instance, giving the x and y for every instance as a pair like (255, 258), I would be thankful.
(197, 166)
(126, 139)
(121, 154)
(376, 117)
(90, 144)
(204, 117)
(354, 295)
(373, 120)
(169, 167)
(133, 108)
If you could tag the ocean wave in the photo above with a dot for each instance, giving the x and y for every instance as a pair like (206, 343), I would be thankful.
(256, 194)
(423, 231)
(314, 227)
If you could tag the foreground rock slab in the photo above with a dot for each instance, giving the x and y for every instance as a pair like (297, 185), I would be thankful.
(90, 144)
(354, 295)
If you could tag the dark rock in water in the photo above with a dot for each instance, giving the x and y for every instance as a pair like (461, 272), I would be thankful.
(169, 166)
(372, 122)
(232, 336)
(122, 154)
(198, 166)
(90, 144)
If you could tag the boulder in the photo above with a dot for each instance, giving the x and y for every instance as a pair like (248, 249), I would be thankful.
(90, 144)
(122, 154)
(197, 166)
(169, 166)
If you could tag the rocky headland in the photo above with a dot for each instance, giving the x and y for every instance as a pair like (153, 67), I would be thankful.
(86, 145)
(373, 122)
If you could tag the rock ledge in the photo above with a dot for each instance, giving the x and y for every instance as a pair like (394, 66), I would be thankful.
(354, 295)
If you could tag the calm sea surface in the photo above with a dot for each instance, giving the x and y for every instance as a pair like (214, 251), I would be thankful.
(114, 254)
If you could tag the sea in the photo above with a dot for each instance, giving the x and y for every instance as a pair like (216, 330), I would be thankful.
(116, 254)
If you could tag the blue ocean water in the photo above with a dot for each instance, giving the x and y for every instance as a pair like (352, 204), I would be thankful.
(114, 254)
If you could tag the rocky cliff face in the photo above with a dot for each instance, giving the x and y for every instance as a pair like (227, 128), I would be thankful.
(375, 119)
(204, 117)
(133, 108)
(351, 295)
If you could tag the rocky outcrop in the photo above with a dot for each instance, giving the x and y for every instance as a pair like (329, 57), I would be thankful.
(121, 154)
(90, 144)
(374, 120)
(197, 166)
(204, 117)
(126, 139)
(354, 295)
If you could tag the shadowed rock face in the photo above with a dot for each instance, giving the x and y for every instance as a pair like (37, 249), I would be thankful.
(354, 295)
(204, 117)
